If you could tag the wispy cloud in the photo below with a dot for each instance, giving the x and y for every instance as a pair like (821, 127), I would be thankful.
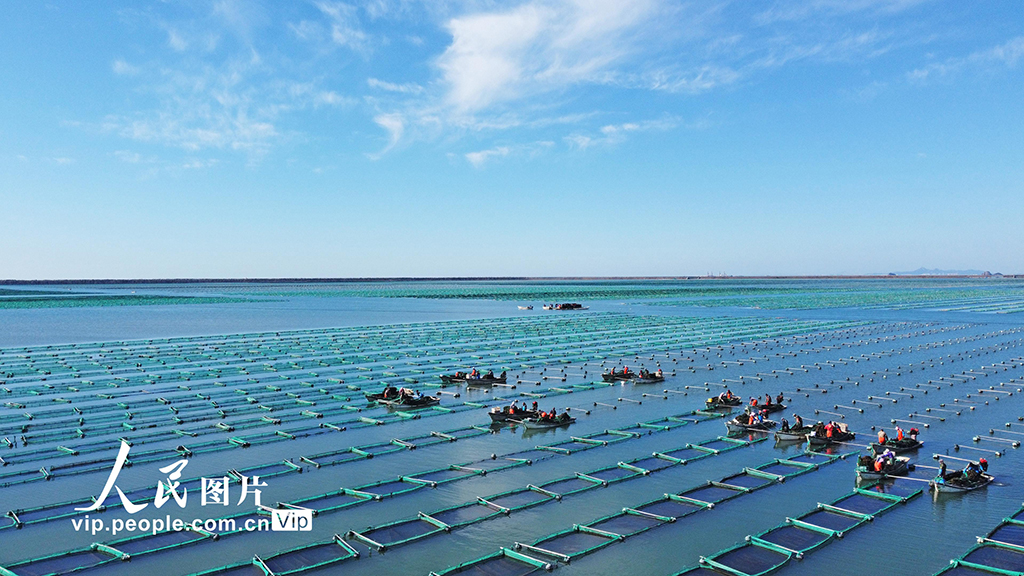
(610, 134)
(408, 88)
(345, 26)
(394, 125)
(122, 68)
(531, 149)
(478, 159)
(1003, 55)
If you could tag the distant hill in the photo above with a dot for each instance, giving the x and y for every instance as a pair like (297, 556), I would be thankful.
(938, 272)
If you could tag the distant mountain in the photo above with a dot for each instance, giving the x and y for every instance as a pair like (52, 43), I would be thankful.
(938, 272)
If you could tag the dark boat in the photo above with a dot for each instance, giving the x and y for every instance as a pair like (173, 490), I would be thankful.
(955, 482)
(793, 434)
(648, 379)
(502, 414)
(866, 468)
(614, 376)
(411, 402)
(819, 438)
(544, 423)
(715, 402)
(897, 446)
(482, 380)
(737, 425)
(566, 306)
(771, 408)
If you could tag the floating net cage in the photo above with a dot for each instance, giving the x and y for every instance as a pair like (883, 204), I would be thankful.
(767, 551)
(999, 552)
(308, 557)
(381, 538)
(66, 562)
(629, 522)
(747, 559)
(504, 562)
(568, 544)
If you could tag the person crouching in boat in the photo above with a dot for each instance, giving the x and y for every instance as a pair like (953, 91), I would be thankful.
(728, 394)
(974, 470)
(883, 438)
(753, 402)
(659, 373)
(899, 434)
(913, 434)
(767, 399)
(779, 398)
(798, 422)
(785, 425)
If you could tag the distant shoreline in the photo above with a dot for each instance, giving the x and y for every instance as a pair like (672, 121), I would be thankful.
(14, 282)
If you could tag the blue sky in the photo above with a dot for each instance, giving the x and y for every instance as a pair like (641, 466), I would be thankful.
(394, 137)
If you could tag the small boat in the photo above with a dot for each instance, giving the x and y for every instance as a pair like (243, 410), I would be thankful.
(843, 434)
(502, 414)
(388, 393)
(866, 470)
(736, 426)
(543, 424)
(649, 379)
(566, 306)
(955, 482)
(614, 376)
(482, 380)
(715, 403)
(769, 408)
(897, 446)
(411, 402)
(793, 434)
(526, 307)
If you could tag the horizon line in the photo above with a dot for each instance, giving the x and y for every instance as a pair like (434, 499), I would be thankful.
(325, 280)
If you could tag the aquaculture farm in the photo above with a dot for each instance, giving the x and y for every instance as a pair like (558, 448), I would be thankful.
(270, 387)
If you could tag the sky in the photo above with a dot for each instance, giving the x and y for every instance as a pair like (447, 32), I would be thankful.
(217, 139)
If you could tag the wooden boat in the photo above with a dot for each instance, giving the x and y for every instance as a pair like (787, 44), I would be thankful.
(737, 427)
(899, 467)
(616, 376)
(526, 307)
(715, 402)
(649, 379)
(957, 483)
(897, 446)
(841, 435)
(540, 424)
(793, 434)
(411, 402)
(483, 380)
(501, 414)
(566, 306)
(771, 408)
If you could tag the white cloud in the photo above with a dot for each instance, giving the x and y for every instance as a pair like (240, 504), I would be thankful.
(409, 88)
(176, 41)
(127, 156)
(198, 164)
(616, 133)
(477, 159)
(122, 68)
(394, 124)
(1003, 55)
(536, 47)
(345, 27)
